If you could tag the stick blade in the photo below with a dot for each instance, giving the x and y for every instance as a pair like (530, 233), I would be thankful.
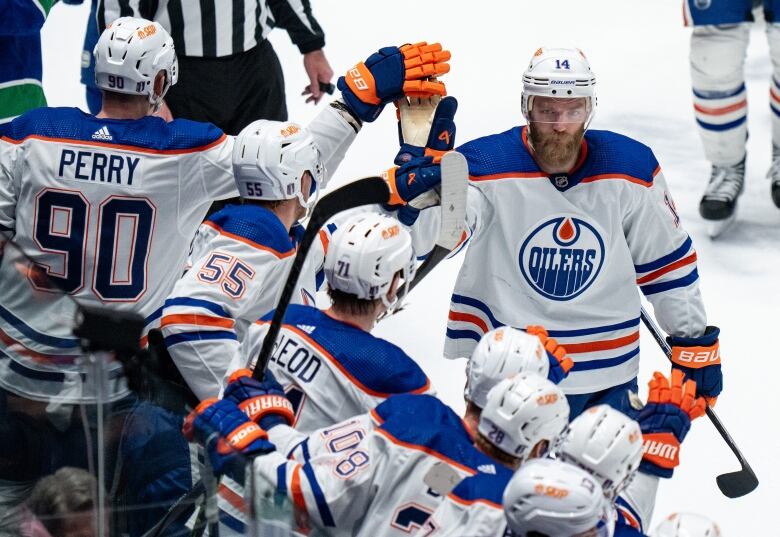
(737, 484)
(454, 193)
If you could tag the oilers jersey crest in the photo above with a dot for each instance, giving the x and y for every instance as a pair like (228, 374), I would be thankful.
(569, 252)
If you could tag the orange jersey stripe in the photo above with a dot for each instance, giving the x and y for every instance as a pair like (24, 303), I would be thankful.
(660, 272)
(723, 109)
(253, 244)
(462, 501)
(624, 177)
(426, 450)
(324, 240)
(202, 320)
(232, 498)
(119, 146)
(296, 491)
(469, 318)
(508, 175)
(603, 345)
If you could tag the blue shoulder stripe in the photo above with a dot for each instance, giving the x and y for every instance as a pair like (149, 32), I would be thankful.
(671, 284)
(482, 486)
(256, 224)
(319, 497)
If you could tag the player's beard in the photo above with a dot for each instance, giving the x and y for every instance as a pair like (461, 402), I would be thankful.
(556, 149)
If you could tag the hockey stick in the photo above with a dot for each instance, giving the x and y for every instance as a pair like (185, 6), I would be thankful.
(454, 186)
(731, 484)
(368, 191)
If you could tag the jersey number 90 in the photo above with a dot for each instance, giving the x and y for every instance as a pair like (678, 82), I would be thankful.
(120, 248)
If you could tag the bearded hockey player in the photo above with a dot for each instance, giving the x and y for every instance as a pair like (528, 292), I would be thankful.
(572, 221)
(369, 264)
(385, 472)
(242, 253)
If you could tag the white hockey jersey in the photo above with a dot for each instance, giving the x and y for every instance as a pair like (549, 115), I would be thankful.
(373, 476)
(240, 260)
(569, 251)
(107, 208)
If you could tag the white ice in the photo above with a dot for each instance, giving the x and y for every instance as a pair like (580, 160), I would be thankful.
(639, 51)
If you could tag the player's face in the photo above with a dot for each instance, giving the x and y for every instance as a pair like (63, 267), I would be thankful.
(557, 127)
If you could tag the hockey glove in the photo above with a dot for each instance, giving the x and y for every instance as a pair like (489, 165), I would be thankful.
(264, 402)
(391, 73)
(425, 121)
(560, 363)
(665, 420)
(227, 434)
(699, 359)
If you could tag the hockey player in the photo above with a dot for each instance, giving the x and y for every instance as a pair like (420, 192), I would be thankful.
(628, 457)
(384, 473)
(721, 31)
(242, 253)
(687, 525)
(370, 261)
(549, 498)
(572, 221)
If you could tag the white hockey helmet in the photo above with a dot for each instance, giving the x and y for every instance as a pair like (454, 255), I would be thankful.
(558, 499)
(606, 443)
(366, 253)
(501, 353)
(270, 159)
(687, 525)
(521, 411)
(561, 73)
(129, 54)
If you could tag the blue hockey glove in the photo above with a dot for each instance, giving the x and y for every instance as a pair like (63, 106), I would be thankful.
(226, 433)
(665, 421)
(263, 402)
(560, 363)
(391, 73)
(699, 359)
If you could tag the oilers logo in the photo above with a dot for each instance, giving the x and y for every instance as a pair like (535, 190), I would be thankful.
(562, 257)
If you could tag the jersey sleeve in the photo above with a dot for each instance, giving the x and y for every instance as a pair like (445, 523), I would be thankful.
(217, 170)
(217, 296)
(334, 134)
(9, 163)
(333, 489)
(664, 259)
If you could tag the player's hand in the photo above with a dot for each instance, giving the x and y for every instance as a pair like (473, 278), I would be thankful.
(391, 73)
(263, 402)
(411, 180)
(560, 363)
(320, 74)
(432, 136)
(665, 421)
(226, 433)
(699, 359)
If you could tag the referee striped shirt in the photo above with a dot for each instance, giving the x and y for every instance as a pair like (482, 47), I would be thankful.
(215, 28)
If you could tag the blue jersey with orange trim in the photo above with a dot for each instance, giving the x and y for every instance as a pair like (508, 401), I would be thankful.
(474, 507)
(317, 356)
(106, 208)
(373, 475)
(568, 252)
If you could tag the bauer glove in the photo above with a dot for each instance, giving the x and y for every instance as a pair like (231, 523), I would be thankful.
(560, 363)
(665, 420)
(263, 402)
(699, 359)
(227, 434)
(391, 73)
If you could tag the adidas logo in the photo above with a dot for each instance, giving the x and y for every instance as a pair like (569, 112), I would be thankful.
(306, 328)
(487, 469)
(102, 134)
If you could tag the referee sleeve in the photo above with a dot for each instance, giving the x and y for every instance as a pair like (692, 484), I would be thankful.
(296, 17)
(110, 10)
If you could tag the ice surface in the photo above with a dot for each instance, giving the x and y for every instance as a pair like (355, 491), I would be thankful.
(639, 52)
